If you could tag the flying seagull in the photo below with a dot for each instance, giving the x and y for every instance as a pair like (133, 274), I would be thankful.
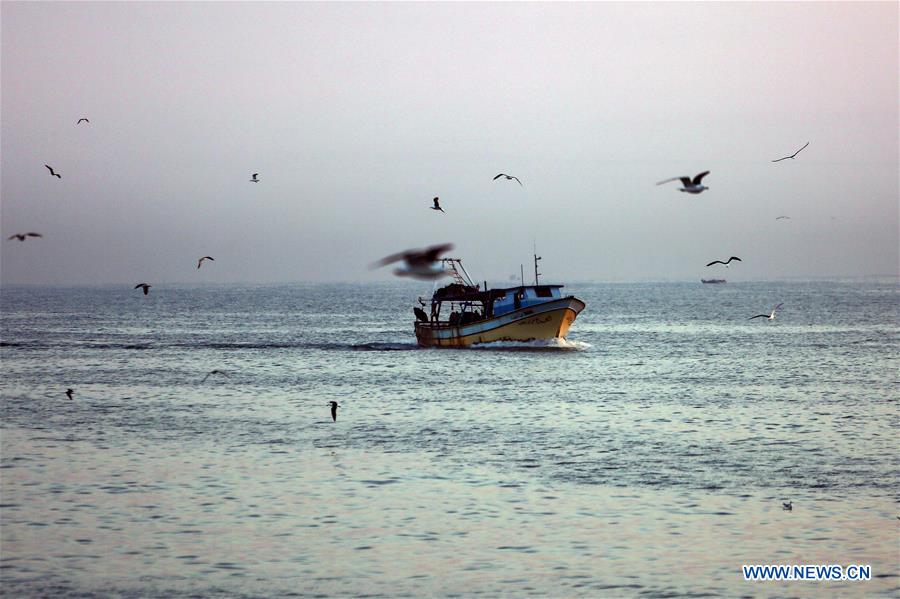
(69, 393)
(212, 372)
(200, 261)
(769, 316)
(254, 178)
(22, 236)
(437, 205)
(690, 186)
(334, 407)
(508, 177)
(782, 218)
(146, 287)
(52, 172)
(787, 505)
(726, 262)
(82, 119)
(418, 264)
(792, 155)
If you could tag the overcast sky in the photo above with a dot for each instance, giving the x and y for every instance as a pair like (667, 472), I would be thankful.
(356, 115)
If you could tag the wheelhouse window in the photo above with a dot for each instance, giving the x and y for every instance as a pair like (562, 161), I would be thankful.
(543, 291)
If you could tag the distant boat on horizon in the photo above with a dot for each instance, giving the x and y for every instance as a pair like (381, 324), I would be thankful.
(713, 281)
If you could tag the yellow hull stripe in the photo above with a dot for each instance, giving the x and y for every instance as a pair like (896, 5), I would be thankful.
(546, 325)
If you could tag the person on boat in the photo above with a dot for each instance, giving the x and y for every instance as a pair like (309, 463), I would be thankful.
(420, 314)
(473, 316)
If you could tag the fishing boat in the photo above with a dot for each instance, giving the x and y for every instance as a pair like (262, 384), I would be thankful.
(713, 281)
(465, 314)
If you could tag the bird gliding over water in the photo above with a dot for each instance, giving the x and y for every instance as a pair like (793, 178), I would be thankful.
(726, 262)
(690, 186)
(768, 316)
(22, 236)
(418, 264)
(792, 155)
(508, 178)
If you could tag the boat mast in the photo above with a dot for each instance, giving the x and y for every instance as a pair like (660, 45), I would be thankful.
(536, 258)
(466, 279)
(454, 268)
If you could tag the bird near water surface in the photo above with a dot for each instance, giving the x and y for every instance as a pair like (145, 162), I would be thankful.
(69, 393)
(787, 505)
(334, 406)
(212, 372)
(690, 185)
(145, 286)
(770, 316)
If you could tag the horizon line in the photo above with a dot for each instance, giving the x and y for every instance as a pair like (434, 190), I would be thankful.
(800, 278)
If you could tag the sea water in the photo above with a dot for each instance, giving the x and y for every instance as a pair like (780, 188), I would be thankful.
(648, 455)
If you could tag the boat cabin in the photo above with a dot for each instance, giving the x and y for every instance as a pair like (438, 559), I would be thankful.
(468, 303)
(514, 298)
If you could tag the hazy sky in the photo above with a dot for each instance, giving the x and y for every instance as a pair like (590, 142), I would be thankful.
(356, 115)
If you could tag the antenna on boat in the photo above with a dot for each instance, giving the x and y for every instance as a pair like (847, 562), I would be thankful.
(536, 258)
(522, 269)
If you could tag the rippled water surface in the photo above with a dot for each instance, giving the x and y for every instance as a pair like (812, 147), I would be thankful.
(649, 455)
